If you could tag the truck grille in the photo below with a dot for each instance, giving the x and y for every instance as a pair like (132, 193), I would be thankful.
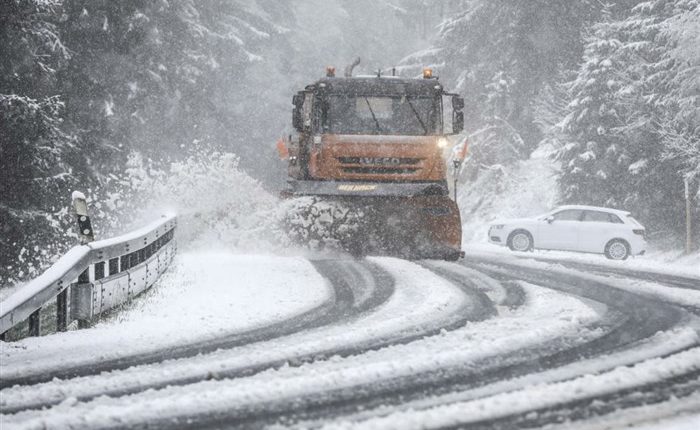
(380, 165)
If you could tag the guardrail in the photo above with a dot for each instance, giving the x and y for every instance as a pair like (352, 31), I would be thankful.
(91, 279)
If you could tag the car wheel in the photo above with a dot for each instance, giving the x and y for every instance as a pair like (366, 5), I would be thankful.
(520, 240)
(617, 249)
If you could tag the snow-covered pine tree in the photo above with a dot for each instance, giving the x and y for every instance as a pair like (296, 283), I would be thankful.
(592, 152)
(501, 55)
(34, 148)
(680, 126)
(619, 101)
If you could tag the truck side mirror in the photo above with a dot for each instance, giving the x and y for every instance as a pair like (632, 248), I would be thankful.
(458, 122)
(457, 103)
(297, 120)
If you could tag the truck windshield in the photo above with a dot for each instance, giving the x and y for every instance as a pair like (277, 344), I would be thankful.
(399, 115)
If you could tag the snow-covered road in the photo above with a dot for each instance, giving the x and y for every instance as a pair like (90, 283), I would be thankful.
(230, 340)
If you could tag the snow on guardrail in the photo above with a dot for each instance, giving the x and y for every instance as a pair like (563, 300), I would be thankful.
(91, 279)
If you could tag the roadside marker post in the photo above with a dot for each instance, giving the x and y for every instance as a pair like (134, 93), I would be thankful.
(688, 217)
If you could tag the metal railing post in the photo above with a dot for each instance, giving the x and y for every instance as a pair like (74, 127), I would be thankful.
(83, 286)
(35, 323)
(62, 311)
(688, 216)
(83, 293)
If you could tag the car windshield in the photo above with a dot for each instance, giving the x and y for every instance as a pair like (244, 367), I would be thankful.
(395, 115)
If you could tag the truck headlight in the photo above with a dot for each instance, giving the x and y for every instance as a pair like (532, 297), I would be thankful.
(442, 142)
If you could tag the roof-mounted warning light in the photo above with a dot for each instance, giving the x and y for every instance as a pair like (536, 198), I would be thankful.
(427, 73)
(330, 72)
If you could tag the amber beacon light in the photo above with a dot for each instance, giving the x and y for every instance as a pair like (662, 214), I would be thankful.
(427, 73)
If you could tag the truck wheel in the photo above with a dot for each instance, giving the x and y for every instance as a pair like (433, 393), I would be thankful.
(617, 249)
(520, 241)
(453, 256)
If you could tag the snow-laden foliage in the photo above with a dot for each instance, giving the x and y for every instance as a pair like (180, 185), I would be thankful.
(613, 86)
(631, 126)
(501, 54)
(37, 153)
(165, 79)
(319, 223)
(681, 131)
(218, 205)
(84, 83)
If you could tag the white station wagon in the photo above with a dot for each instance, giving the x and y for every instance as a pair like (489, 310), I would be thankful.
(574, 228)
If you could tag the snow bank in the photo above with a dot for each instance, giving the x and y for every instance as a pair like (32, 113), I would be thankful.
(207, 295)
(218, 205)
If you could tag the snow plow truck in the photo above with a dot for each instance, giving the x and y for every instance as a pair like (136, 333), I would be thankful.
(367, 163)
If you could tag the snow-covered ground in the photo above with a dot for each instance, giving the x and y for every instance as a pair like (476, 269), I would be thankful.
(203, 295)
(422, 300)
(245, 291)
(687, 266)
(675, 414)
(536, 396)
(546, 317)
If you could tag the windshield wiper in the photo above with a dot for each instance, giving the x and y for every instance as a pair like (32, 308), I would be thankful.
(415, 112)
(374, 117)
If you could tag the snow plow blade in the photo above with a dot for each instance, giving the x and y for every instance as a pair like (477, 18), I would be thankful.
(404, 220)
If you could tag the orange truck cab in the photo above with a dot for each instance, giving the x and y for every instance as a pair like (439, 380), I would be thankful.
(380, 140)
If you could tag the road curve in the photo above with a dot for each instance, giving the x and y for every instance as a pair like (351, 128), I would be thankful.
(574, 320)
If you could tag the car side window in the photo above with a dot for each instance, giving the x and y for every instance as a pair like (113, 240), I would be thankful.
(568, 215)
(596, 216)
(615, 219)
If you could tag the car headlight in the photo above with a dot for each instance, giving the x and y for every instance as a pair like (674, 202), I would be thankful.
(498, 226)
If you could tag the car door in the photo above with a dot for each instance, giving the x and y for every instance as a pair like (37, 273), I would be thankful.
(597, 228)
(561, 230)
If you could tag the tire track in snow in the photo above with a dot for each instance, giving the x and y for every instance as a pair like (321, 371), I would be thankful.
(505, 292)
(642, 319)
(326, 402)
(643, 322)
(673, 388)
(675, 290)
(487, 370)
(455, 314)
(646, 275)
(342, 276)
(630, 320)
(354, 279)
(350, 280)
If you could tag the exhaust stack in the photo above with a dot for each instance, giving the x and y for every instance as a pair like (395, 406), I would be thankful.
(348, 69)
